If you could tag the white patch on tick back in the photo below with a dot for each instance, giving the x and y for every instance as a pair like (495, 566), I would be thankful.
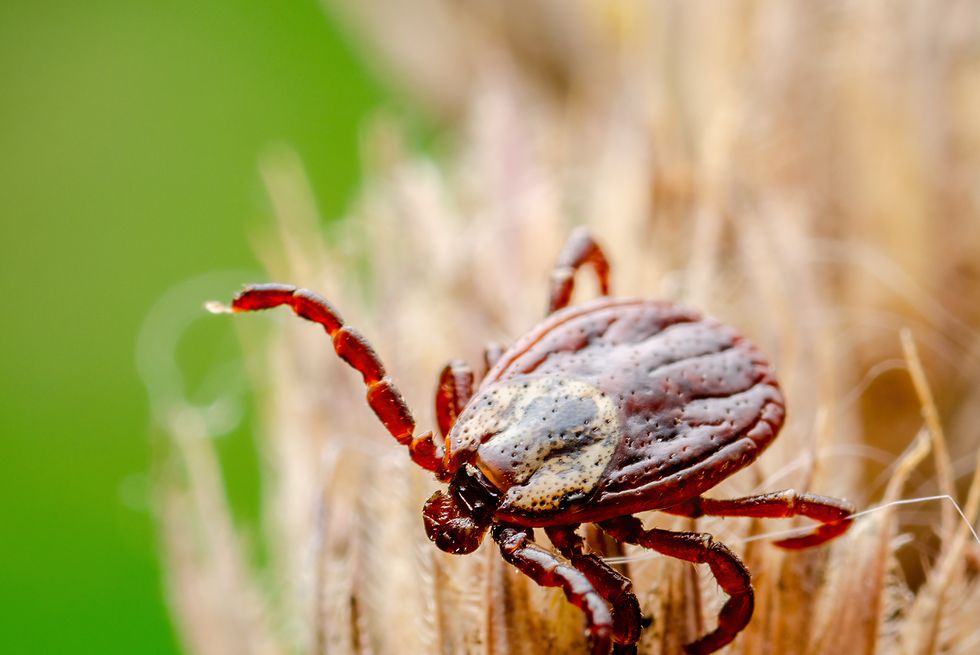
(541, 439)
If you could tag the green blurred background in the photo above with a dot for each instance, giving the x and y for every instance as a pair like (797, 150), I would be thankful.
(129, 140)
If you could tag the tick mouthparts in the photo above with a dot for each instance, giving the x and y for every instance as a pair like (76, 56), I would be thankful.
(216, 307)
(450, 526)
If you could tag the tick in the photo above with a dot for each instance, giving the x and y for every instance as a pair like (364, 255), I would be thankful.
(603, 410)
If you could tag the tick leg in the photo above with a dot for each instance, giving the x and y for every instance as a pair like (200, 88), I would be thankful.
(493, 352)
(454, 391)
(611, 585)
(382, 395)
(832, 513)
(727, 568)
(550, 570)
(579, 250)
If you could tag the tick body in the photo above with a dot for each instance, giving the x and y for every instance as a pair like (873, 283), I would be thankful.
(605, 409)
(617, 406)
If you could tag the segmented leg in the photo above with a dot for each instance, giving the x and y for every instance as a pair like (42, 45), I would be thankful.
(727, 568)
(491, 354)
(382, 395)
(454, 391)
(549, 570)
(579, 250)
(611, 585)
(832, 513)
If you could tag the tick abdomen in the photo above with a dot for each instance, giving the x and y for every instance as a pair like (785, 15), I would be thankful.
(670, 404)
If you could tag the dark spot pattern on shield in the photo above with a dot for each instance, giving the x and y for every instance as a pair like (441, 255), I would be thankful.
(540, 439)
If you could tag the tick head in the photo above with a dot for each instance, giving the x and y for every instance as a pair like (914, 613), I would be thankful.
(456, 520)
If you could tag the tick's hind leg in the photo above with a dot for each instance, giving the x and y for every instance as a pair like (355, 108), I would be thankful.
(550, 570)
(832, 513)
(382, 395)
(579, 250)
(612, 585)
(727, 568)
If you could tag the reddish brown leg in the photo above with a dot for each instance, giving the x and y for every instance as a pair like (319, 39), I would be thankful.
(382, 395)
(727, 568)
(455, 389)
(549, 570)
(579, 250)
(491, 354)
(611, 585)
(832, 513)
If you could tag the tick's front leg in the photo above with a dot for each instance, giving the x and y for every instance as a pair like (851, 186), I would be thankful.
(350, 345)
(550, 570)
(727, 568)
(454, 391)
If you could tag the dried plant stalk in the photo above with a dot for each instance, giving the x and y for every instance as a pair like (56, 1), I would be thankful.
(804, 171)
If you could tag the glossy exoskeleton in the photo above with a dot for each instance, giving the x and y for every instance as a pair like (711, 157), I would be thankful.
(603, 410)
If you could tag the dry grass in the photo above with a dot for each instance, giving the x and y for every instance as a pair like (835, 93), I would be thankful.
(805, 171)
